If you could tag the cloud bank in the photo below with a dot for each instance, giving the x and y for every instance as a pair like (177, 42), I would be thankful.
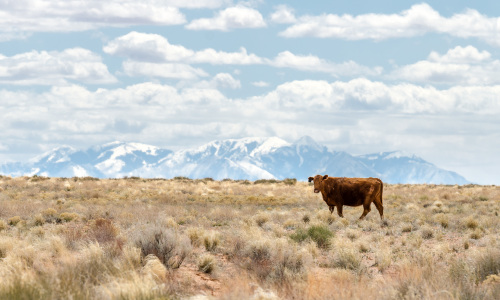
(420, 19)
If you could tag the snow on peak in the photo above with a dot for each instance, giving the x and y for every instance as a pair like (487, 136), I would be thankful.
(269, 145)
(396, 154)
(57, 155)
(123, 149)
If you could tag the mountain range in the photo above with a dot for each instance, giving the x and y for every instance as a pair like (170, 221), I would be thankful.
(247, 158)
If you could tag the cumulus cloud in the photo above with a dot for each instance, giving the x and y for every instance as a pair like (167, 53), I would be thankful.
(312, 63)
(145, 47)
(420, 19)
(366, 95)
(219, 81)
(27, 16)
(155, 48)
(54, 68)
(459, 66)
(230, 18)
(283, 15)
(162, 70)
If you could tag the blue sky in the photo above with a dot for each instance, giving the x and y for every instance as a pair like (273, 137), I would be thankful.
(357, 76)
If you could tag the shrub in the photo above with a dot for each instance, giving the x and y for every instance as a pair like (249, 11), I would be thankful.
(211, 241)
(50, 215)
(347, 259)
(3, 225)
(195, 235)
(364, 248)
(321, 235)
(488, 264)
(470, 222)
(306, 218)
(38, 220)
(206, 263)
(103, 230)
(14, 220)
(68, 217)
(352, 234)
(261, 219)
(277, 260)
(299, 235)
(383, 259)
(265, 181)
(427, 233)
(166, 244)
(476, 234)
(442, 220)
(290, 181)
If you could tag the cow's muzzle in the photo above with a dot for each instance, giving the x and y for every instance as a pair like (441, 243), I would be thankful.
(316, 191)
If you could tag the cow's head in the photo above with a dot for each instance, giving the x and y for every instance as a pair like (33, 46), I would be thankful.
(318, 179)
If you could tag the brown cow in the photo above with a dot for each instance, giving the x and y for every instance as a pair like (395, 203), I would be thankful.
(339, 191)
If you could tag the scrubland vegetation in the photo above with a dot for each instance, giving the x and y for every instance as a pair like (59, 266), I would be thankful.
(83, 238)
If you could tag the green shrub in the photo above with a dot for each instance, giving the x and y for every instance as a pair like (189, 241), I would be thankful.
(299, 235)
(321, 235)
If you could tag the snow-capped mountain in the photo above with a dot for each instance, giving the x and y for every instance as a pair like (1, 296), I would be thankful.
(248, 158)
(116, 159)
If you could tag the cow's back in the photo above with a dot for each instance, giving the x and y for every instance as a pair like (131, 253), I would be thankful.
(354, 191)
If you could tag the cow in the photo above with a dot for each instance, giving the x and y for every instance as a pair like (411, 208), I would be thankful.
(340, 191)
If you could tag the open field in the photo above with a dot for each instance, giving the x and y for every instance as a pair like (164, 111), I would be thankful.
(147, 239)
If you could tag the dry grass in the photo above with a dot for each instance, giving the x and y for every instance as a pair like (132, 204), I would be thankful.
(83, 238)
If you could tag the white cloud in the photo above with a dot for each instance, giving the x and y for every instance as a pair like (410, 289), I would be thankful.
(219, 81)
(313, 63)
(459, 66)
(365, 95)
(162, 70)
(155, 48)
(147, 47)
(225, 80)
(468, 54)
(283, 15)
(54, 68)
(230, 18)
(214, 57)
(420, 19)
(27, 16)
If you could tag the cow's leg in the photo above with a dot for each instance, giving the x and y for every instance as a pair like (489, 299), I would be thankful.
(380, 209)
(331, 208)
(339, 210)
(365, 211)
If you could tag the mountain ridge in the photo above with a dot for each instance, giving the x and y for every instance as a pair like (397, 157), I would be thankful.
(247, 158)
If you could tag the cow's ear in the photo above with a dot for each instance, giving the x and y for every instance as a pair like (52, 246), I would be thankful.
(325, 177)
(311, 179)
